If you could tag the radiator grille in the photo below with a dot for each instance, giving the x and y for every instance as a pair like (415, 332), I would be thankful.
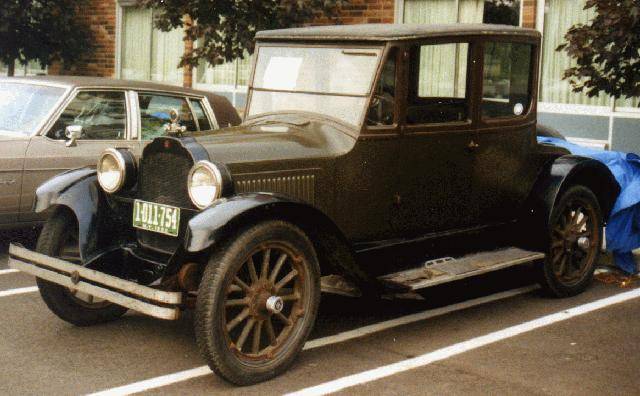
(163, 179)
(301, 187)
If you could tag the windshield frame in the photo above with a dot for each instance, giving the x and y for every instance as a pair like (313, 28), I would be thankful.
(54, 109)
(376, 46)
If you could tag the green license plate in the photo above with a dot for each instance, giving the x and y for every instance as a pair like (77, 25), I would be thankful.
(155, 217)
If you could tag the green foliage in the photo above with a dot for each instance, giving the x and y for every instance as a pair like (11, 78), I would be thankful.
(225, 29)
(43, 31)
(606, 50)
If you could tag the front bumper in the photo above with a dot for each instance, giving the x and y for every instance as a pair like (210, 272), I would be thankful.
(144, 299)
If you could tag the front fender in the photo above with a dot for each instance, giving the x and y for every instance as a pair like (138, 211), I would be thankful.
(208, 227)
(77, 190)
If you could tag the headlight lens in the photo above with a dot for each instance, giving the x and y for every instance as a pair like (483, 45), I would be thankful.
(205, 184)
(111, 170)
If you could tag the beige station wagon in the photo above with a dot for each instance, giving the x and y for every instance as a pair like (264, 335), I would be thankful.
(51, 124)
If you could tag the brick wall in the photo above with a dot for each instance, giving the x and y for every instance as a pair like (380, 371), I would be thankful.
(364, 11)
(529, 13)
(100, 15)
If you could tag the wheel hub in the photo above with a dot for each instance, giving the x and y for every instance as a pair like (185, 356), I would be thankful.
(584, 243)
(274, 304)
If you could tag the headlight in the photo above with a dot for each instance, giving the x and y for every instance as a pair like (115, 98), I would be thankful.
(205, 184)
(115, 167)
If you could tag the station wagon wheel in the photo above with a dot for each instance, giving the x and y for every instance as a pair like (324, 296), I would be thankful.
(59, 238)
(575, 241)
(257, 302)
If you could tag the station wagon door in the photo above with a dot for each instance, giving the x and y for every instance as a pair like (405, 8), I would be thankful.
(104, 118)
(435, 163)
(504, 172)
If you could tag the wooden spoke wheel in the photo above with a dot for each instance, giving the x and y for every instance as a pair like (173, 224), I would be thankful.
(575, 241)
(59, 238)
(257, 302)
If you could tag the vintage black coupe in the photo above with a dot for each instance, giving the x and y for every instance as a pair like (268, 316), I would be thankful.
(365, 152)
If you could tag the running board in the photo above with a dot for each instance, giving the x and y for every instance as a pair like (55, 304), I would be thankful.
(153, 302)
(444, 270)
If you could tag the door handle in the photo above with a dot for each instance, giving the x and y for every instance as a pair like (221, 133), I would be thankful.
(472, 146)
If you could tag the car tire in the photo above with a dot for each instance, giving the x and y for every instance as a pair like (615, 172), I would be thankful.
(574, 243)
(235, 302)
(58, 236)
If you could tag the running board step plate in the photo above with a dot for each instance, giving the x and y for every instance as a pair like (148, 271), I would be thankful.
(436, 272)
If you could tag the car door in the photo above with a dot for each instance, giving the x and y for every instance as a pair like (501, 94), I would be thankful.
(105, 121)
(436, 160)
(12, 151)
(503, 175)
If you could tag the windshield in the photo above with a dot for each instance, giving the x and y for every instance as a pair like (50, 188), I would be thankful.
(23, 107)
(332, 81)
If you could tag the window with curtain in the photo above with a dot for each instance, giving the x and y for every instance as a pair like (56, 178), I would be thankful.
(233, 74)
(506, 12)
(32, 68)
(148, 53)
(560, 16)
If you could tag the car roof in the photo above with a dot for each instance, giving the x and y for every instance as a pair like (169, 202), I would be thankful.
(225, 113)
(393, 32)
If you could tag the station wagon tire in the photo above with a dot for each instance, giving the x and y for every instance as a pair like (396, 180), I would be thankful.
(242, 335)
(575, 239)
(59, 238)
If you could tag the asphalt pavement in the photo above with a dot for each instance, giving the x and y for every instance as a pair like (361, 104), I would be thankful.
(491, 335)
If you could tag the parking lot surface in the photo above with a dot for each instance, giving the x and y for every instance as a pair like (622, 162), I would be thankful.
(491, 335)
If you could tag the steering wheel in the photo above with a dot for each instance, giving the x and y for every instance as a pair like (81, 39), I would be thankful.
(378, 102)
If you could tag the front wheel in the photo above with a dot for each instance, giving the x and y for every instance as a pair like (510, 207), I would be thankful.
(575, 238)
(59, 238)
(257, 302)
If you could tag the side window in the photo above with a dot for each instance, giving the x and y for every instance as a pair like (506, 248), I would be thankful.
(102, 116)
(155, 112)
(506, 80)
(382, 108)
(438, 84)
(198, 109)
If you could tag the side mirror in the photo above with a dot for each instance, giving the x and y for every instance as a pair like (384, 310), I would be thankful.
(73, 133)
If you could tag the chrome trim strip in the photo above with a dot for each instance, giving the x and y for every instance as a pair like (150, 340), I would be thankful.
(51, 263)
(210, 113)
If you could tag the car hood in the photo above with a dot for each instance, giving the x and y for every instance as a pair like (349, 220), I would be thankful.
(276, 140)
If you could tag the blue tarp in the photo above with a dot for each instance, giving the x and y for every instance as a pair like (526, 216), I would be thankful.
(623, 228)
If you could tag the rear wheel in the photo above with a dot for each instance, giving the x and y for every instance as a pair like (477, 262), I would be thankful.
(575, 238)
(257, 302)
(59, 238)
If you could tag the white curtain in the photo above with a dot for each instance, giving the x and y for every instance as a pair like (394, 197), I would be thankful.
(447, 64)
(561, 15)
(147, 53)
(235, 73)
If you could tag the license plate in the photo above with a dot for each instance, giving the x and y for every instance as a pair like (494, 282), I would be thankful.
(155, 217)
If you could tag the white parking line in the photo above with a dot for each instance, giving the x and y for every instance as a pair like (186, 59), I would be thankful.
(8, 271)
(22, 290)
(157, 382)
(465, 346)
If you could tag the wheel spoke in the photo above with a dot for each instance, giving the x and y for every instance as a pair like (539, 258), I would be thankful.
(236, 302)
(288, 278)
(240, 283)
(234, 288)
(290, 297)
(252, 269)
(276, 269)
(581, 223)
(257, 334)
(562, 266)
(236, 321)
(270, 333)
(265, 264)
(283, 318)
(245, 333)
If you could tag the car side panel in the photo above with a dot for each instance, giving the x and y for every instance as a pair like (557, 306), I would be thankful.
(46, 158)
(12, 152)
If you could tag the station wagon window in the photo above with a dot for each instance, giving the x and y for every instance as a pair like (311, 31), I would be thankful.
(382, 107)
(102, 116)
(438, 81)
(506, 81)
(203, 120)
(155, 110)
